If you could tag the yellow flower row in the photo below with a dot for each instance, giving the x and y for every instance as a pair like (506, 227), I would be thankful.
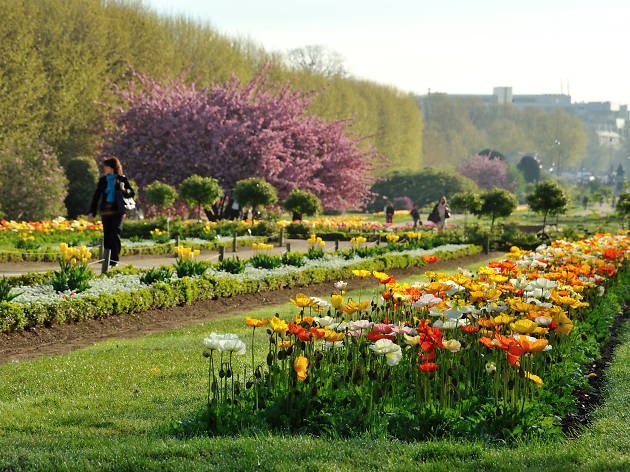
(357, 241)
(315, 241)
(74, 255)
(186, 253)
(262, 247)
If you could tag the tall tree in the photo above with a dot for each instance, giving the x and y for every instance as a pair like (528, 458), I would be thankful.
(317, 58)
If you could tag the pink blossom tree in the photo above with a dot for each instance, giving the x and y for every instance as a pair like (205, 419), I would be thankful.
(487, 172)
(167, 130)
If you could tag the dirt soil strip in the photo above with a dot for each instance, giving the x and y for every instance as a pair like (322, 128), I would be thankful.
(62, 338)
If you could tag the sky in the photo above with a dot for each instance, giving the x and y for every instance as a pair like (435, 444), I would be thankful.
(452, 46)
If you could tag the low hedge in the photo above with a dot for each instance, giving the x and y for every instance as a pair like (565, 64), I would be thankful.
(49, 255)
(14, 317)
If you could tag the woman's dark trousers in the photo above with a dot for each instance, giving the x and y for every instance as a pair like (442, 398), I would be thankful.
(112, 227)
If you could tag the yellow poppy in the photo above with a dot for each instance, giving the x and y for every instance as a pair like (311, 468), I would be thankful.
(278, 325)
(300, 365)
(302, 301)
(337, 301)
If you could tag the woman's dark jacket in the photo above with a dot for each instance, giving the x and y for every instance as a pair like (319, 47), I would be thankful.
(99, 194)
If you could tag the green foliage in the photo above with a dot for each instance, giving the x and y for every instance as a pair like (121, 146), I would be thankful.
(27, 242)
(162, 274)
(623, 205)
(5, 291)
(265, 261)
(255, 192)
(82, 174)
(459, 127)
(232, 265)
(160, 194)
(530, 167)
(303, 203)
(200, 191)
(298, 230)
(264, 228)
(32, 183)
(496, 203)
(423, 187)
(75, 277)
(190, 268)
(548, 198)
(295, 259)
(315, 253)
(468, 202)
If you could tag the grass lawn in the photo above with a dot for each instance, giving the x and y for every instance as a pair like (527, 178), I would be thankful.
(112, 406)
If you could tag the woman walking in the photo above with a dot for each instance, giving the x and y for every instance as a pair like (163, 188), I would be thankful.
(440, 212)
(111, 215)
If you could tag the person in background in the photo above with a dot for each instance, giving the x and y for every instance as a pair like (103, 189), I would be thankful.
(112, 218)
(440, 213)
(389, 213)
(415, 214)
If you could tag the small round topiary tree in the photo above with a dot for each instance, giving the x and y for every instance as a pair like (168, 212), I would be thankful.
(254, 192)
(200, 191)
(496, 203)
(82, 174)
(548, 198)
(160, 194)
(301, 202)
(467, 202)
(41, 191)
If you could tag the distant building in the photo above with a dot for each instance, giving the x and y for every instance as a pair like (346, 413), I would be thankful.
(610, 122)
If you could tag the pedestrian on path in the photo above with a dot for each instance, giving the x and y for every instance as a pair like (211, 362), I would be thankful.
(108, 185)
(440, 213)
(389, 213)
(415, 214)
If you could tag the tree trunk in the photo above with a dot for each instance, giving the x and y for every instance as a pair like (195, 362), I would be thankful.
(544, 222)
(488, 236)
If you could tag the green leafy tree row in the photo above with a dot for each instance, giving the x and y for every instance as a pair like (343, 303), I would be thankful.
(459, 127)
(58, 57)
(423, 187)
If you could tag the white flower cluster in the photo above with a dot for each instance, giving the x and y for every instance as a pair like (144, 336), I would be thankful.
(46, 294)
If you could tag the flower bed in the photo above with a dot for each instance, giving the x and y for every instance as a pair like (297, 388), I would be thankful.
(496, 355)
(130, 248)
(122, 293)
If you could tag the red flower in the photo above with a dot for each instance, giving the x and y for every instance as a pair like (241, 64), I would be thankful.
(429, 258)
(429, 356)
(428, 367)
(375, 336)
